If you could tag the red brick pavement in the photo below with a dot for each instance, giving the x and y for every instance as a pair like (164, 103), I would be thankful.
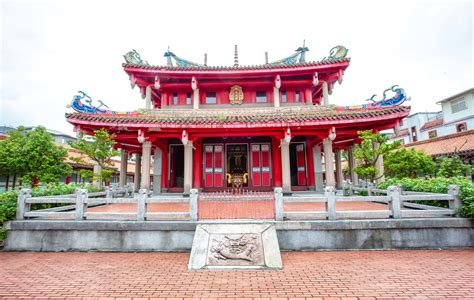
(415, 274)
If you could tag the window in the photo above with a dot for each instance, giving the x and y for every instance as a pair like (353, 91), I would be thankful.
(283, 96)
(414, 138)
(211, 98)
(461, 127)
(432, 134)
(458, 105)
(297, 96)
(261, 97)
(188, 99)
(175, 99)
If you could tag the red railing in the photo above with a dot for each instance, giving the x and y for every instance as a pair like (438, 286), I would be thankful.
(228, 205)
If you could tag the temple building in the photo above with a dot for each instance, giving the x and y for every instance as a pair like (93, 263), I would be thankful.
(215, 128)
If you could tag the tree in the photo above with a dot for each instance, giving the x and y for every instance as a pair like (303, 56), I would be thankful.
(408, 163)
(453, 167)
(99, 149)
(34, 155)
(367, 153)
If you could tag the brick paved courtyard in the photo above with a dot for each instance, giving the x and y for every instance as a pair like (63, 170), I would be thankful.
(418, 274)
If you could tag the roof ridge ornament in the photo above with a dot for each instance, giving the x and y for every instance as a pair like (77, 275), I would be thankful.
(337, 52)
(292, 59)
(180, 62)
(236, 57)
(87, 108)
(133, 57)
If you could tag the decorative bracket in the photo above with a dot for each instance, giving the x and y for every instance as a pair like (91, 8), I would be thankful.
(332, 134)
(277, 81)
(184, 138)
(157, 83)
(315, 79)
(287, 137)
(194, 83)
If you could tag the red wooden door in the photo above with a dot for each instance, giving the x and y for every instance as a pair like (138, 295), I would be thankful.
(301, 164)
(213, 166)
(260, 162)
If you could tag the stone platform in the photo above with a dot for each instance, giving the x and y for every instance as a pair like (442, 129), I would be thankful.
(99, 235)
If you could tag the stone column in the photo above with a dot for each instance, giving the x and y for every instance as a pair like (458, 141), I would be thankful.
(157, 161)
(137, 177)
(188, 167)
(339, 176)
(318, 169)
(285, 166)
(325, 93)
(309, 97)
(148, 97)
(197, 164)
(379, 166)
(95, 179)
(146, 157)
(276, 97)
(328, 162)
(123, 167)
(352, 165)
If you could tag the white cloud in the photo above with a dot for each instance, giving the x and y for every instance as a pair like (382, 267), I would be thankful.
(52, 49)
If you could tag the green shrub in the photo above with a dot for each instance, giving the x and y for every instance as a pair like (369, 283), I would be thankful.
(8, 200)
(438, 185)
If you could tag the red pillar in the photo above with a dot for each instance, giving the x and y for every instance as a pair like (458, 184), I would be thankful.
(309, 153)
(6, 183)
(276, 162)
(164, 166)
(68, 179)
(197, 164)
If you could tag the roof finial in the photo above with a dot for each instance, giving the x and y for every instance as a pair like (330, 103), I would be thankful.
(205, 59)
(236, 57)
(266, 58)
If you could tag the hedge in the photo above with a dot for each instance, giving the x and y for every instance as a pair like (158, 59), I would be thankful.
(438, 185)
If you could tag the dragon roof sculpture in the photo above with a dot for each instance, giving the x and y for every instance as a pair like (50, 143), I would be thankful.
(300, 52)
(86, 107)
(399, 98)
(180, 62)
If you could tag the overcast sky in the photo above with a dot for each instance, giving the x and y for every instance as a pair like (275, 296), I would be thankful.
(52, 49)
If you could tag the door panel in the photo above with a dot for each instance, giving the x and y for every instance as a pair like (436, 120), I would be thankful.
(301, 164)
(218, 167)
(256, 166)
(213, 166)
(261, 169)
(265, 152)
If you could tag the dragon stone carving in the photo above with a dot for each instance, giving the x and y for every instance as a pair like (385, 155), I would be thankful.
(235, 248)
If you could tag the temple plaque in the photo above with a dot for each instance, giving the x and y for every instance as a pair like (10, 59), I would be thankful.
(236, 95)
(235, 246)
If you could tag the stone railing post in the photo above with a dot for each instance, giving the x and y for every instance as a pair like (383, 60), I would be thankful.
(81, 203)
(193, 204)
(370, 186)
(141, 202)
(395, 203)
(278, 192)
(108, 194)
(456, 202)
(350, 186)
(330, 194)
(22, 206)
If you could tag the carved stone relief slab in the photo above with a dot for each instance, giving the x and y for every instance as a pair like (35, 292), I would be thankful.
(235, 250)
(235, 246)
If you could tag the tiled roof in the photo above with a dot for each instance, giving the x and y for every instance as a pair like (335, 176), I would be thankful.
(238, 68)
(239, 116)
(459, 142)
(433, 123)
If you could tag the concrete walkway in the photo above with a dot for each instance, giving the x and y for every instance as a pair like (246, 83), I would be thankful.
(417, 274)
